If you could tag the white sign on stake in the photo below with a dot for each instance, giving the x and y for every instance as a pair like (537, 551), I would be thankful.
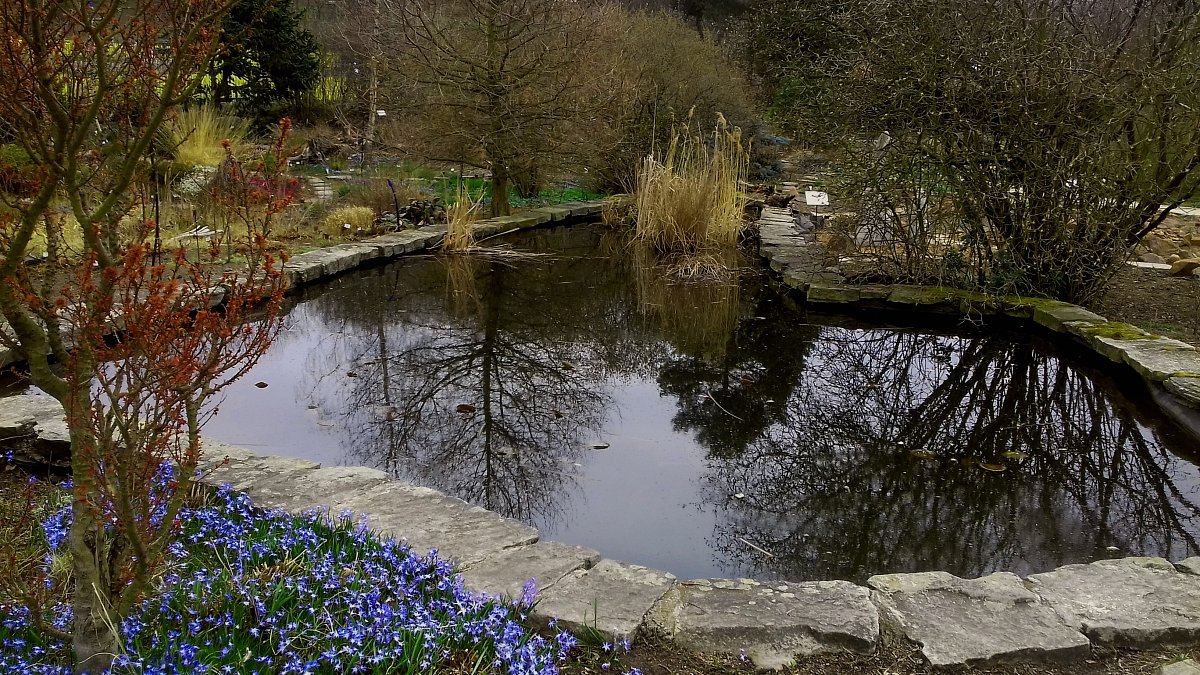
(814, 198)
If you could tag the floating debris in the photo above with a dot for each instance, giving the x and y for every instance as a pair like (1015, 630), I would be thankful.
(1014, 456)
(261, 385)
(464, 408)
(600, 445)
(994, 468)
(923, 454)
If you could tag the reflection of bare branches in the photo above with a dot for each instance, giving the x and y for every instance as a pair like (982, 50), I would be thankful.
(875, 466)
(492, 400)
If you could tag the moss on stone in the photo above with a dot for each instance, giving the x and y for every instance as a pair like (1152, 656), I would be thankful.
(1115, 330)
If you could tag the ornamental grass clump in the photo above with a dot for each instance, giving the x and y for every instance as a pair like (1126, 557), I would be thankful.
(691, 201)
(460, 230)
(248, 592)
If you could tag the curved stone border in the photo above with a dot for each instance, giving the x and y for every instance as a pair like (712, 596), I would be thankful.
(308, 268)
(1054, 616)
(1170, 368)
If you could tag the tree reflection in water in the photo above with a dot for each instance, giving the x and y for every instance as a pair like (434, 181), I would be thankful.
(466, 381)
(886, 457)
(855, 451)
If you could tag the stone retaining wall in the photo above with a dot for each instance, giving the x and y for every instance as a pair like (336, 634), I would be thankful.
(1054, 616)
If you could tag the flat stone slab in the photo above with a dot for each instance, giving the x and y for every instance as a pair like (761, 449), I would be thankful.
(428, 519)
(1186, 667)
(505, 573)
(1161, 359)
(1186, 388)
(770, 623)
(993, 619)
(308, 490)
(613, 598)
(1054, 315)
(1130, 601)
(34, 426)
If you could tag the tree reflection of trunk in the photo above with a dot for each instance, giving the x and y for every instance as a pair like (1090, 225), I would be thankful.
(875, 465)
(476, 400)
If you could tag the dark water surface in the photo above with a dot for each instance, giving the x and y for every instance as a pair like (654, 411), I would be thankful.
(744, 438)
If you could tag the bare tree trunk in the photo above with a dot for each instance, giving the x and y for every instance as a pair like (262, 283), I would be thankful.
(96, 637)
(500, 187)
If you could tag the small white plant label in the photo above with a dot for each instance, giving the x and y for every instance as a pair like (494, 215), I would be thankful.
(814, 198)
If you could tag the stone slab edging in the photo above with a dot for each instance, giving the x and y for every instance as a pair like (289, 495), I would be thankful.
(1054, 616)
(308, 268)
(1170, 368)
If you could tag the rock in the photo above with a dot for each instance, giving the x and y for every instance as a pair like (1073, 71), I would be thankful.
(770, 623)
(1054, 315)
(1160, 359)
(975, 621)
(1184, 267)
(1160, 246)
(1137, 602)
(34, 427)
(316, 488)
(1186, 388)
(428, 519)
(1189, 566)
(613, 598)
(1152, 258)
(1172, 259)
(1194, 241)
(1186, 667)
(920, 295)
(819, 293)
(546, 562)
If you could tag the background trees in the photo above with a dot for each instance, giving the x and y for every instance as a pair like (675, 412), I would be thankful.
(1031, 143)
(267, 56)
(493, 84)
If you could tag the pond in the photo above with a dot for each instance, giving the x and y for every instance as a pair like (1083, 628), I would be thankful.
(715, 430)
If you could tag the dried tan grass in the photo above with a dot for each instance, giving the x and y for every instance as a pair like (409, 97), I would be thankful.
(348, 221)
(460, 232)
(692, 201)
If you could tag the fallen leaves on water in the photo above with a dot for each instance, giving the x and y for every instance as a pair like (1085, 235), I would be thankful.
(994, 468)
(923, 454)
(261, 385)
(465, 408)
(1015, 456)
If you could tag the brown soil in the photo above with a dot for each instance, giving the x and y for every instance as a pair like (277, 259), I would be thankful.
(1154, 301)
(894, 657)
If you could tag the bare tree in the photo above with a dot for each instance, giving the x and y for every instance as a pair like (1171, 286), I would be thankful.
(1040, 138)
(493, 83)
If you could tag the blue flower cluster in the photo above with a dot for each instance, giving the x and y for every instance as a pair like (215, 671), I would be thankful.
(248, 592)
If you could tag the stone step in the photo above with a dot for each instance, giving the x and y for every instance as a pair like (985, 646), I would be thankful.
(770, 623)
(975, 622)
(546, 562)
(613, 598)
(428, 519)
(1134, 602)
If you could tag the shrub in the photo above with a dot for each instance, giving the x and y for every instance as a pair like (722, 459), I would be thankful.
(661, 69)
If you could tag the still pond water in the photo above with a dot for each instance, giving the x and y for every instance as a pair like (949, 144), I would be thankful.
(715, 430)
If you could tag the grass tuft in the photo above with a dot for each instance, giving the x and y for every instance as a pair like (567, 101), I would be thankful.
(691, 200)
(196, 136)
